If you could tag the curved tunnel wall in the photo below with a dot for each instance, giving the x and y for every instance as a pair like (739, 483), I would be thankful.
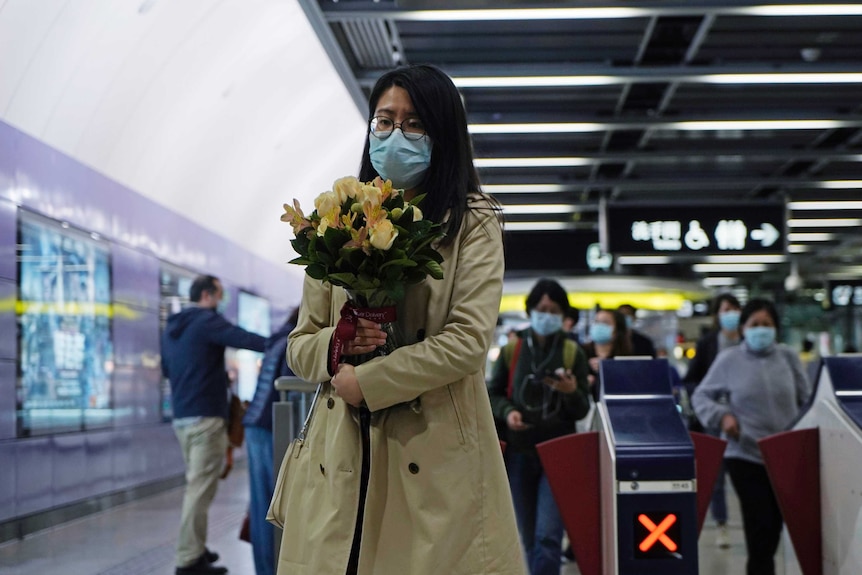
(137, 448)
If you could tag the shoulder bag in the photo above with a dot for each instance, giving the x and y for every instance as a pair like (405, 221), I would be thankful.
(291, 470)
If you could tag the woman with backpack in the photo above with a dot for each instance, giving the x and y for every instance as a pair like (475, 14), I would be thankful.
(538, 390)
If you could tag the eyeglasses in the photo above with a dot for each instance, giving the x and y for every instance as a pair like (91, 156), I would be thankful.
(382, 127)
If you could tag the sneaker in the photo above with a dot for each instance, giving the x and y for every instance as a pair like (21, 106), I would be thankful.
(201, 567)
(722, 540)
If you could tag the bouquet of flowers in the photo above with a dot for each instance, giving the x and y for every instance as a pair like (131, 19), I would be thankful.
(366, 238)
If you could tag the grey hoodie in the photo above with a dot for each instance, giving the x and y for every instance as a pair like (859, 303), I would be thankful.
(763, 390)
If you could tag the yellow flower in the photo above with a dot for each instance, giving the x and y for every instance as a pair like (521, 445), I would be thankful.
(329, 209)
(382, 235)
(417, 214)
(295, 217)
(346, 187)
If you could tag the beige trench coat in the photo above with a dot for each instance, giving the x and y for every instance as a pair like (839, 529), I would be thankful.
(438, 497)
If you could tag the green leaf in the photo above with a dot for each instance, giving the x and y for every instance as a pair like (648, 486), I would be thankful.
(316, 271)
(343, 279)
(435, 270)
(404, 263)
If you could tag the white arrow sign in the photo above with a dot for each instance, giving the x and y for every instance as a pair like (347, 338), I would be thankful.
(766, 234)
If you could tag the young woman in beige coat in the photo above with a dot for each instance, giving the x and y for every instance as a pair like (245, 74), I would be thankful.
(405, 474)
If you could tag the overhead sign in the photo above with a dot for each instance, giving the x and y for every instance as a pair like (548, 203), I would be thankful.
(844, 293)
(657, 535)
(694, 229)
(555, 251)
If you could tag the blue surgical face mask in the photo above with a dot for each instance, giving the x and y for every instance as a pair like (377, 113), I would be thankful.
(759, 338)
(601, 333)
(630, 321)
(545, 323)
(729, 320)
(401, 160)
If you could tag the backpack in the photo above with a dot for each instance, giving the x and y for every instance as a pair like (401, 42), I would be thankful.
(512, 350)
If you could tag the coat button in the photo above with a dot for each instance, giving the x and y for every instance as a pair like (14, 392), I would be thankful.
(414, 469)
(330, 403)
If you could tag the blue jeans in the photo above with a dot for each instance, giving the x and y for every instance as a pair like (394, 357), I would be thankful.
(261, 482)
(539, 520)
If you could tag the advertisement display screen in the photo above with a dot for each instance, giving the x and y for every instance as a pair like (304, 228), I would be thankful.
(252, 315)
(64, 318)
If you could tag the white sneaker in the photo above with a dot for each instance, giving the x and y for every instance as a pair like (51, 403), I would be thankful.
(722, 540)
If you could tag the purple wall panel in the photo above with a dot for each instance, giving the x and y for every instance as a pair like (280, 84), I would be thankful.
(70, 468)
(100, 463)
(135, 278)
(34, 477)
(148, 396)
(123, 456)
(8, 489)
(7, 400)
(123, 384)
(8, 330)
(49, 471)
(8, 237)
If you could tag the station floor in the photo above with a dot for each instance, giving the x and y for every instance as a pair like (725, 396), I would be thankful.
(138, 539)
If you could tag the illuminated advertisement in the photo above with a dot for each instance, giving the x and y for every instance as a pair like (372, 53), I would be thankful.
(252, 315)
(64, 318)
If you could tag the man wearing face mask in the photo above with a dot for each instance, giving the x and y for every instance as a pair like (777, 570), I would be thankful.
(193, 347)
(538, 387)
(751, 391)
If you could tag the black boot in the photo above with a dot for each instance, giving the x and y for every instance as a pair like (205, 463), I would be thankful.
(201, 567)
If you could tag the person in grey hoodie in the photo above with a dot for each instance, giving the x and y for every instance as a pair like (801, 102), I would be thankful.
(751, 391)
(193, 347)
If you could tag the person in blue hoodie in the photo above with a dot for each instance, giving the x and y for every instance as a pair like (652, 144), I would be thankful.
(193, 346)
(258, 440)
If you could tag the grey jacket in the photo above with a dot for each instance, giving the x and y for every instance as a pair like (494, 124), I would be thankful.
(763, 390)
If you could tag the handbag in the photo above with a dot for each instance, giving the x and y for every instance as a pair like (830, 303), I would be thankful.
(291, 470)
(235, 429)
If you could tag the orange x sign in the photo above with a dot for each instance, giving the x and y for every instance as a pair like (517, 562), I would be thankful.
(657, 532)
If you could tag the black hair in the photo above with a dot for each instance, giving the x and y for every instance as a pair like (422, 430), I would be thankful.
(728, 297)
(755, 305)
(451, 178)
(716, 304)
(627, 306)
(202, 284)
(552, 289)
(573, 314)
(621, 343)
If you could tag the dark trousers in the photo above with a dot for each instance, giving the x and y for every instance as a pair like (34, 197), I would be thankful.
(761, 517)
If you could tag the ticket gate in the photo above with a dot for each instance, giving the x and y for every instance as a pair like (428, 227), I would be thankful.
(816, 473)
(639, 470)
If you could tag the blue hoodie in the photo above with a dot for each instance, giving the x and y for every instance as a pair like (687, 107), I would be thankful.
(193, 347)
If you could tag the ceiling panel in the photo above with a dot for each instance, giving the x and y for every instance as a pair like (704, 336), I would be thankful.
(667, 101)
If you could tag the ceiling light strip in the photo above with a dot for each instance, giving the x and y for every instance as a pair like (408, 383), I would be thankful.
(728, 268)
(597, 13)
(513, 209)
(538, 226)
(568, 81)
(533, 162)
(824, 222)
(820, 205)
(688, 125)
(810, 237)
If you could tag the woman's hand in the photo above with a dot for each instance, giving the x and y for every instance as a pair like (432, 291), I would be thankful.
(515, 421)
(594, 364)
(347, 386)
(730, 426)
(368, 337)
(562, 381)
